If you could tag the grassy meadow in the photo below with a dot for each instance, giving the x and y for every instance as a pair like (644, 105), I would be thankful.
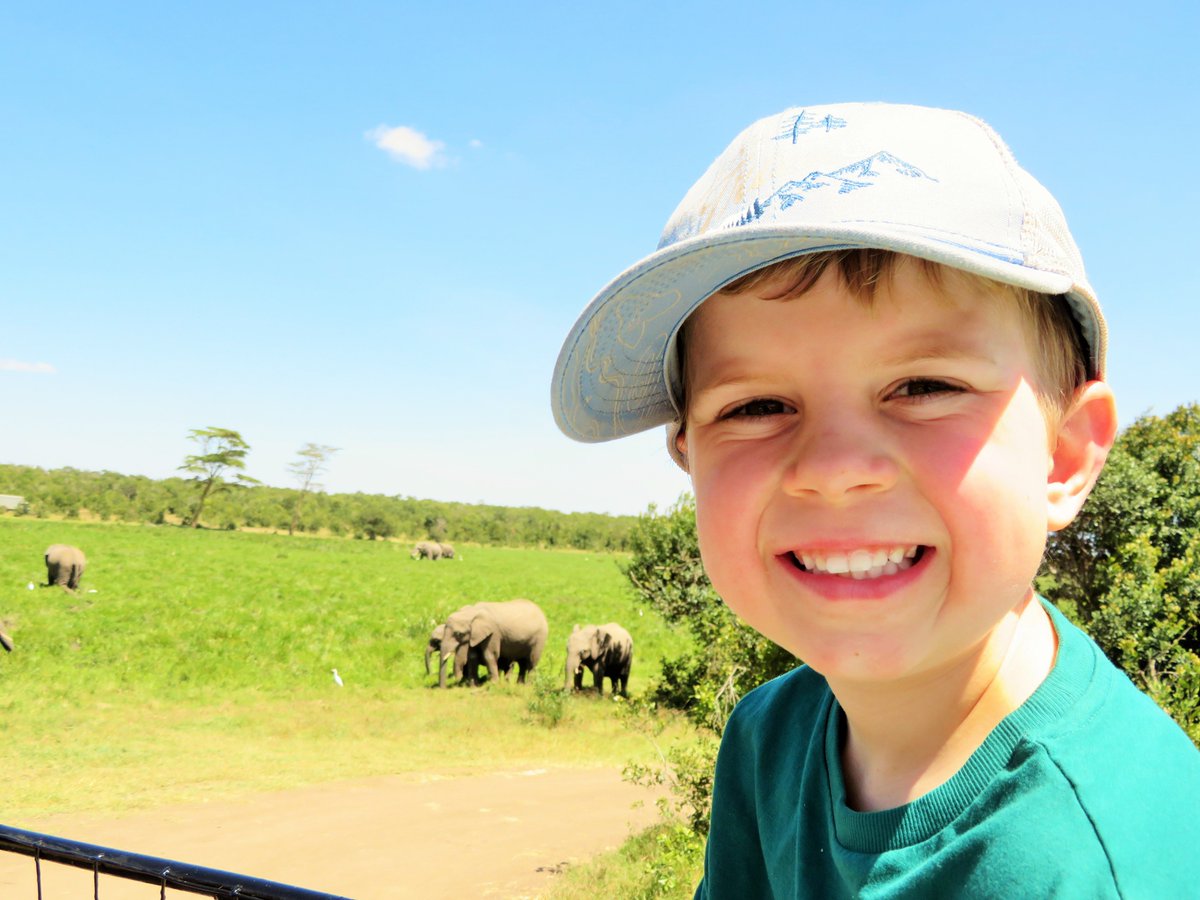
(195, 664)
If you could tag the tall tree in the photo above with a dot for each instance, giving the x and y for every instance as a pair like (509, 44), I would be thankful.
(221, 449)
(314, 459)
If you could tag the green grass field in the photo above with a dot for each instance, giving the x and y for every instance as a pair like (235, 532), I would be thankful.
(196, 664)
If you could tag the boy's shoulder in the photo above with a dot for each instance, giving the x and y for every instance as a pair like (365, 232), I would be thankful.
(1131, 768)
(772, 714)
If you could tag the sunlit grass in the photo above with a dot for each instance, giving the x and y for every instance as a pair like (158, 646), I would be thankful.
(200, 666)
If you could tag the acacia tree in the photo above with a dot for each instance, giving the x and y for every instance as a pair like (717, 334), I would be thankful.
(314, 459)
(221, 449)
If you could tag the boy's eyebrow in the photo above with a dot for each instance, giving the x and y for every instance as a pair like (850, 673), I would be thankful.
(936, 349)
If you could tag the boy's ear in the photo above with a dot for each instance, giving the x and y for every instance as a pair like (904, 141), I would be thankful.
(677, 444)
(1085, 436)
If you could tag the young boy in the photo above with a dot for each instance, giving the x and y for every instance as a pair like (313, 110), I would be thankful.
(871, 338)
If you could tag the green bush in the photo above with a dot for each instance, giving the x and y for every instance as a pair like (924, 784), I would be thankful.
(726, 658)
(548, 701)
(1128, 569)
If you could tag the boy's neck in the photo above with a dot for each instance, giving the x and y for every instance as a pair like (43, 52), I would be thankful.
(904, 740)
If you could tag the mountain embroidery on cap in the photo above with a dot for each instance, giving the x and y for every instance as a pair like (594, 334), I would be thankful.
(804, 123)
(862, 174)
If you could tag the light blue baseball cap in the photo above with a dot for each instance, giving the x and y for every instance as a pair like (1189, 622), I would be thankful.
(931, 183)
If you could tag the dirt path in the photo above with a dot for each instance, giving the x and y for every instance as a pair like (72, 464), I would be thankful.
(499, 835)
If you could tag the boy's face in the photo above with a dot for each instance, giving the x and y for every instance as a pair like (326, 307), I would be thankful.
(824, 434)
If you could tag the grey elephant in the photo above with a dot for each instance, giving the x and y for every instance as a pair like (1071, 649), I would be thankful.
(426, 550)
(464, 670)
(607, 650)
(513, 631)
(447, 551)
(64, 565)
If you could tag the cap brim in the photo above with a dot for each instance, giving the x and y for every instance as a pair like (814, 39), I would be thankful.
(610, 379)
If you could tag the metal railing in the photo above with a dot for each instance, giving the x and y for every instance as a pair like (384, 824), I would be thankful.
(166, 873)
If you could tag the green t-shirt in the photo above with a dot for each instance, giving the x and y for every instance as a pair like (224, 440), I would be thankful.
(1086, 790)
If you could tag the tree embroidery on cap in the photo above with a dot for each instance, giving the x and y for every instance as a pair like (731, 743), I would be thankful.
(862, 174)
(804, 123)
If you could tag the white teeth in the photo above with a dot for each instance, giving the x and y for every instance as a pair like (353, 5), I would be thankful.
(860, 564)
(860, 560)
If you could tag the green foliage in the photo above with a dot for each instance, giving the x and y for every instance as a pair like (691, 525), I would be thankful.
(1128, 568)
(662, 863)
(313, 460)
(110, 496)
(207, 654)
(725, 658)
(221, 449)
(547, 704)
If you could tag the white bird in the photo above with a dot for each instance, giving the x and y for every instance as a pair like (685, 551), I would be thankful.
(30, 585)
(337, 679)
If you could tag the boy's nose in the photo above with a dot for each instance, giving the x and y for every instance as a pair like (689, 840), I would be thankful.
(839, 462)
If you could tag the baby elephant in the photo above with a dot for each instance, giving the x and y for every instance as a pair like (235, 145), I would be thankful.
(447, 551)
(64, 565)
(605, 649)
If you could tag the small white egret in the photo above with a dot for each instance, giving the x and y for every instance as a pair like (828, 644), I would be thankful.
(337, 679)
(30, 585)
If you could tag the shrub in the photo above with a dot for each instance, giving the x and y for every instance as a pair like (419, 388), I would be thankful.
(726, 658)
(548, 702)
(1128, 569)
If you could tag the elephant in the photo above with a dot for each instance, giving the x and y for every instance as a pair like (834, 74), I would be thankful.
(64, 565)
(513, 631)
(447, 551)
(467, 672)
(426, 550)
(605, 649)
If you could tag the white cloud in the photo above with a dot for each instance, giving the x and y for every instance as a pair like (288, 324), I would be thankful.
(15, 365)
(476, 143)
(408, 146)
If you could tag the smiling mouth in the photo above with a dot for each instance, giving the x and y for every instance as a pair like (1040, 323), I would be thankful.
(860, 565)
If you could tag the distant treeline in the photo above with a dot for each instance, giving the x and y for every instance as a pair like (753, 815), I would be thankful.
(74, 493)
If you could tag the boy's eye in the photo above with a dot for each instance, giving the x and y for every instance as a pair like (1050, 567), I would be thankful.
(756, 408)
(924, 387)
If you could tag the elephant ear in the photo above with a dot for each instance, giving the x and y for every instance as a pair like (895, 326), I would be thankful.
(481, 630)
(600, 642)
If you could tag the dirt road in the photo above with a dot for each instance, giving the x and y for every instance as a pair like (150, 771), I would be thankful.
(499, 835)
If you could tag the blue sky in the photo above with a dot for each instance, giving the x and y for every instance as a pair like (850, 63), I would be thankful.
(371, 225)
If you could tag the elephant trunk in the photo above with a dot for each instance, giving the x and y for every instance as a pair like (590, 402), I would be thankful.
(574, 671)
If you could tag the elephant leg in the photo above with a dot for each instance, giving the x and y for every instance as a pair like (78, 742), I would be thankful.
(598, 679)
(462, 664)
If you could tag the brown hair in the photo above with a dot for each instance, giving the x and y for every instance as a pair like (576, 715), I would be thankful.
(1054, 335)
